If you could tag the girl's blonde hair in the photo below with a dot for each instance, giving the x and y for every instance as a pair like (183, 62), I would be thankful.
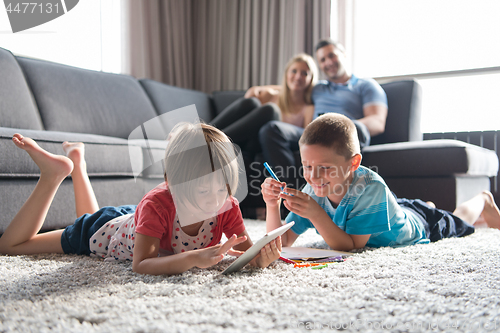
(284, 99)
(186, 162)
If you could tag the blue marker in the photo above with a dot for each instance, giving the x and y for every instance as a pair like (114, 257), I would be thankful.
(271, 172)
(274, 176)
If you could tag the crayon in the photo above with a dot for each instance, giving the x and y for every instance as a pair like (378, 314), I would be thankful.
(307, 264)
(287, 260)
(314, 265)
(271, 172)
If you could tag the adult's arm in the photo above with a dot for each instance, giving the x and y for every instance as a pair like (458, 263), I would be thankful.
(374, 101)
(265, 94)
(374, 118)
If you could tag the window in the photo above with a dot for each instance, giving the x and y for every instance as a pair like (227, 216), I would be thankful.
(88, 36)
(451, 46)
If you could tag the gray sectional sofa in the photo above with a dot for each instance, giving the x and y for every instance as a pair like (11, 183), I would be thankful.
(53, 103)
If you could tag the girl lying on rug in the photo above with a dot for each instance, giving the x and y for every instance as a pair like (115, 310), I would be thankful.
(363, 210)
(184, 217)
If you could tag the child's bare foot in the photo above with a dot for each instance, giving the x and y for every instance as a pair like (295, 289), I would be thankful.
(75, 152)
(491, 213)
(480, 222)
(51, 166)
(430, 203)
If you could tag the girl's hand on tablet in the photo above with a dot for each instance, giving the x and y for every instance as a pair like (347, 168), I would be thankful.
(268, 254)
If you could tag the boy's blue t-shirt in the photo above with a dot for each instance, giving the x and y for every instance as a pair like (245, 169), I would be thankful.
(348, 99)
(368, 207)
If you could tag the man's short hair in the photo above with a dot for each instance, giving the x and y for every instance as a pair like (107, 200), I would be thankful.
(326, 42)
(333, 130)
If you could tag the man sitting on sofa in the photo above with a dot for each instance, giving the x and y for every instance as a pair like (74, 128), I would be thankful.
(362, 100)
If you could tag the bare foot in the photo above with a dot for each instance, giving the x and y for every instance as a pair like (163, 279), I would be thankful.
(51, 166)
(480, 222)
(75, 152)
(430, 203)
(491, 213)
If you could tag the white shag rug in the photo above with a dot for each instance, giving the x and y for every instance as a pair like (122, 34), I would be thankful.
(452, 285)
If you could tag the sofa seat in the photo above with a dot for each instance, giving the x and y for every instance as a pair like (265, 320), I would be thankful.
(105, 156)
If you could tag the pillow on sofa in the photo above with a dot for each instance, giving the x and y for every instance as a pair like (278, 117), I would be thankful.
(71, 99)
(17, 109)
(222, 99)
(167, 98)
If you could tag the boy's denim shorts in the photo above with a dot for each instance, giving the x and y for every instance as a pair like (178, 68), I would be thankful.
(76, 237)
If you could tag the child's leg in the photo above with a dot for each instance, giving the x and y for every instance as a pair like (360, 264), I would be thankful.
(483, 205)
(85, 200)
(21, 236)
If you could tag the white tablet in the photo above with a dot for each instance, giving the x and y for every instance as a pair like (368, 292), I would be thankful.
(249, 254)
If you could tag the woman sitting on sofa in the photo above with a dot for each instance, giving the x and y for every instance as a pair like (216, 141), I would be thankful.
(290, 102)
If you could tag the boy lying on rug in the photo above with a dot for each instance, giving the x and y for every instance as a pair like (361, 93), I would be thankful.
(184, 217)
(363, 210)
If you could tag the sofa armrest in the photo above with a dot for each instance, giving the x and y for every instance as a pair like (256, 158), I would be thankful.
(404, 111)
(430, 158)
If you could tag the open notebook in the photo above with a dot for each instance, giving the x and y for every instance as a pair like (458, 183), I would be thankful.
(307, 253)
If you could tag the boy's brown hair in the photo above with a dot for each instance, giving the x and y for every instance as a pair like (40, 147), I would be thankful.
(332, 130)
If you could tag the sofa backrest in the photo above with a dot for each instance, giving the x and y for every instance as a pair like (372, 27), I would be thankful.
(167, 98)
(222, 99)
(403, 118)
(71, 99)
(17, 108)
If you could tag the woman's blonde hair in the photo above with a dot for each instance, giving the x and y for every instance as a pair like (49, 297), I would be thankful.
(284, 99)
(187, 162)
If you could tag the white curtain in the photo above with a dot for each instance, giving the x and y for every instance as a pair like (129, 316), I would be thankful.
(213, 45)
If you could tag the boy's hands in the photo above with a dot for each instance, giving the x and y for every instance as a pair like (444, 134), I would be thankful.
(301, 203)
(271, 190)
(212, 255)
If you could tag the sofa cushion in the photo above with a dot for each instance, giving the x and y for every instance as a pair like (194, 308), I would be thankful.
(431, 158)
(167, 98)
(77, 100)
(153, 154)
(17, 108)
(222, 99)
(110, 191)
(105, 156)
